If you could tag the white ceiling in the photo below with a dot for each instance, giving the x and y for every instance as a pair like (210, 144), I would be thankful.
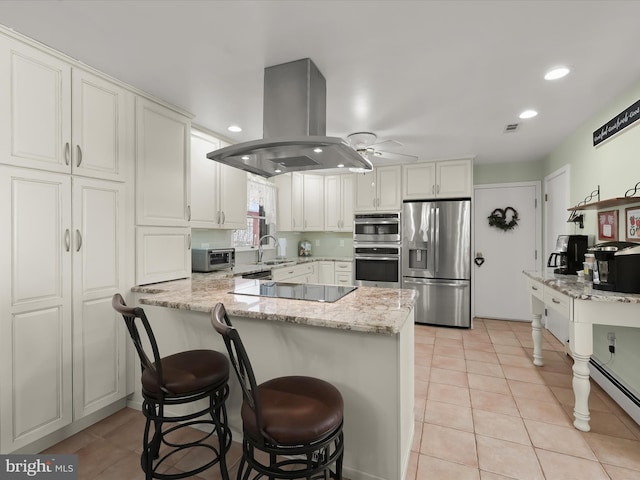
(442, 77)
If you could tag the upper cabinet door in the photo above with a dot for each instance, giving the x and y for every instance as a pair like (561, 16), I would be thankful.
(454, 178)
(205, 212)
(162, 165)
(389, 193)
(366, 191)
(233, 197)
(35, 108)
(102, 119)
(419, 181)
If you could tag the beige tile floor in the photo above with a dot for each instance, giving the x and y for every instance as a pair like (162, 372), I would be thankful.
(483, 412)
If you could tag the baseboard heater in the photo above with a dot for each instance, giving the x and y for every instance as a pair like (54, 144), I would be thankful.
(624, 396)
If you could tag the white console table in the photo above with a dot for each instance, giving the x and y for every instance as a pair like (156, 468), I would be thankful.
(584, 307)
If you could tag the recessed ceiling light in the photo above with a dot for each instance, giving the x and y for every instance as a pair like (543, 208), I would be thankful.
(245, 157)
(317, 150)
(277, 170)
(234, 128)
(556, 73)
(341, 165)
(528, 114)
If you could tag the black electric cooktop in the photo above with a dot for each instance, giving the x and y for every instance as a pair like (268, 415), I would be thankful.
(295, 291)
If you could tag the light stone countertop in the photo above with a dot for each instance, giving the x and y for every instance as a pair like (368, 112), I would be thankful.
(570, 286)
(367, 309)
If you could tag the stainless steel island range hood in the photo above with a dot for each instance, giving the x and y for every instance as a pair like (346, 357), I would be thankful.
(294, 127)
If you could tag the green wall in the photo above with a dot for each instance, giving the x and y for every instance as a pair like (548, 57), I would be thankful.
(507, 172)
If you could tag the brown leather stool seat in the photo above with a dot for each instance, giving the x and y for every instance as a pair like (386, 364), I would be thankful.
(295, 410)
(295, 420)
(188, 372)
(179, 379)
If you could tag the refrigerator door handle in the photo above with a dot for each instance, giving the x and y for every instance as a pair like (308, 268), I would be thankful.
(437, 240)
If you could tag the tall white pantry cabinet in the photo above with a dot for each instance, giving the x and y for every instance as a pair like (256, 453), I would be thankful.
(66, 161)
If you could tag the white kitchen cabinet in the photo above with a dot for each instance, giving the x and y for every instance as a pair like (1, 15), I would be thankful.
(62, 119)
(218, 192)
(326, 272)
(102, 127)
(313, 203)
(35, 329)
(338, 204)
(301, 273)
(378, 190)
(163, 253)
(99, 230)
(343, 273)
(448, 179)
(300, 202)
(35, 108)
(61, 350)
(162, 165)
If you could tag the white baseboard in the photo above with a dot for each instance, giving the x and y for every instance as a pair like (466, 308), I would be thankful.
(623, 395)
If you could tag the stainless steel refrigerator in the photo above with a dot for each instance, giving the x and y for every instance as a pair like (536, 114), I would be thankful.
(436, 260)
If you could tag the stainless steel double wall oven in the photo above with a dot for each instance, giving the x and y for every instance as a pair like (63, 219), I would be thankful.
(377, 249)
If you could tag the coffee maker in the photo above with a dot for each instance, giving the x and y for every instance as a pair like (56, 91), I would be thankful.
(605, 269)
(569, 254)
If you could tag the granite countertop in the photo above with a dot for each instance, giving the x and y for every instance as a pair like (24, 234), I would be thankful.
(580, 290)
(367, 309)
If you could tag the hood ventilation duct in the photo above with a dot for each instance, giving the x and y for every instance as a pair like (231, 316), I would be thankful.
(294, 127)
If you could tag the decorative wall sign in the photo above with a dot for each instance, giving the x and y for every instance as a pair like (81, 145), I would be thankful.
(632, 224)
(608, 225)
(617, 124)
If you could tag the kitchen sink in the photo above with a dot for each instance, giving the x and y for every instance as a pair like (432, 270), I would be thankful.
(278, 262)
(261, 275)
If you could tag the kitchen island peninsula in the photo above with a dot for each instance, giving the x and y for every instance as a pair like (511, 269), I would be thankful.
(361, 343)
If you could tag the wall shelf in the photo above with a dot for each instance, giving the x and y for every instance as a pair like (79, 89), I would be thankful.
(609, 203)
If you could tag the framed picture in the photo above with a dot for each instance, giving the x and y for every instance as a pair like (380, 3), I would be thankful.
(608, 225)
(632, 224)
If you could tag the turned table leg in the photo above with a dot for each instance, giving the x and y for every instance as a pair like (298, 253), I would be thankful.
(536, 333)
(581, 390)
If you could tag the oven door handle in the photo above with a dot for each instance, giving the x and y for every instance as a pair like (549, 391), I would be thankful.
(376, 258)
(432, 283)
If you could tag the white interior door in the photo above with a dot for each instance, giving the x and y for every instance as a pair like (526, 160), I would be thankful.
(499, 285)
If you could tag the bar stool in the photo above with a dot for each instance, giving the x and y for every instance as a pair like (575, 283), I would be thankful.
(296, 421)
(182, 378)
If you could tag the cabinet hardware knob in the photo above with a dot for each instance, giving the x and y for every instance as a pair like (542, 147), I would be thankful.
(67, 151)
(189, 242)
(555, 301)
(67, 239)
(534, 288)
(79, 155)
(224, 218)
(188, 213)
(78, 240)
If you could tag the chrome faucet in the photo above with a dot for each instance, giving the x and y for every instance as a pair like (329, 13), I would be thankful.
(260, 251)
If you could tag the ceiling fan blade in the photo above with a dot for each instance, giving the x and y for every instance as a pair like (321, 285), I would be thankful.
(393, 157)
(388, 144)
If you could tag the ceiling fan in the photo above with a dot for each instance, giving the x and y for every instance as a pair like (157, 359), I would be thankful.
(366, 144)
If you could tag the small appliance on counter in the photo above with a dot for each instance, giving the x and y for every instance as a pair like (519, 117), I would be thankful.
(628, 269)
(568, 257)
(606, 267)
(212, 259)
(304, 248)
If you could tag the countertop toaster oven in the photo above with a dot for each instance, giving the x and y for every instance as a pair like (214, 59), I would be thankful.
(211, 259)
